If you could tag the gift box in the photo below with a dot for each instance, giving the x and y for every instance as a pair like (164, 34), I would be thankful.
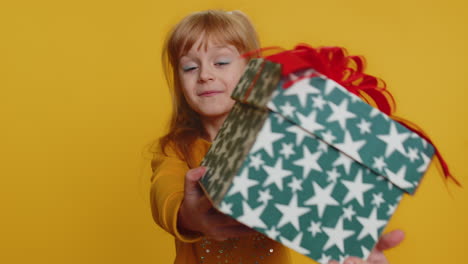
(311, 166)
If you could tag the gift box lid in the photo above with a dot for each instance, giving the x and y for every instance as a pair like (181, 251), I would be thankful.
(337, 125)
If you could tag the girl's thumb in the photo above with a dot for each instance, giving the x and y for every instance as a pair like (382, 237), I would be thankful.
(192, 178)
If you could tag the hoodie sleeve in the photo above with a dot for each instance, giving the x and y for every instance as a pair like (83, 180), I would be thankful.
(167, 192)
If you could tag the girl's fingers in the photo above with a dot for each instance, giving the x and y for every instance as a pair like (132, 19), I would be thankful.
(238, 231)
(204, 205)
(390, 240)
(217, 219)
(350, 260)
(191, 181)
(223, 233)
(353, 260)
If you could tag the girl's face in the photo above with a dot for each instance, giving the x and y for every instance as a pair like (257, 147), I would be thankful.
(208, 77)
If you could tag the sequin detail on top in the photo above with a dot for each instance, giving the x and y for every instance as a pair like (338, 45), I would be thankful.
(252, 249)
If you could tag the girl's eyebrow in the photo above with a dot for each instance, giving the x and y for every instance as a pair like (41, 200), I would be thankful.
(219, 51)
(229, 47)
(218, 48)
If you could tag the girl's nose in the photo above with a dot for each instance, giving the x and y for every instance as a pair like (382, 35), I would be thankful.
(205, 74)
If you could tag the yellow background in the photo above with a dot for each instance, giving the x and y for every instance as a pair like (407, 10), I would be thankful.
(82, 94)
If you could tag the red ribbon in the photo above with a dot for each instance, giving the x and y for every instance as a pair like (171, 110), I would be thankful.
(348, 71)
(335, 63)
(416, 129)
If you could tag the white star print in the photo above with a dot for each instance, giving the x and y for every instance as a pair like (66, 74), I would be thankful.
(337, 235)
(426, 162)
(293, 76)
(389, 183)
(328, 136)
(295, 184)
(301, 89)
(379, 163)
(274, 95)
(251, 216)
(342, 258)
(399, 178)
(377, 199)
(256, 161)
(266, 138)
(308, 162)
(241, 184)
(295, 244)
(276, 174)
(394, 141)
(391, 209)
(264, 196)
(300, 134)
(271, 105)
(319, 102)
(356, 189)
(374, 112)
(279, 118)
(345, 161)
(329, 86)
(365, 253)
(322, 146)
(314, 228)
(226, 208)
(287, 109)
(272, 233)
(309, 122)
(424, 142)
(340, 113)
(349, 212)
(413, 154)
(322, 198)
(370, 226)
(364, 127)
(324, 259)
(308, 72)
(287, 150)
(355, 98)
(291, 212)
(333, 175)
(350, 147)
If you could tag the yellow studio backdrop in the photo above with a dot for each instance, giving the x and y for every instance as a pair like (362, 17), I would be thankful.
(82, 93)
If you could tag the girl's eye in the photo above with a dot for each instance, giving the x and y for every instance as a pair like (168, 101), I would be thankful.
(221, 63)
(189, 68)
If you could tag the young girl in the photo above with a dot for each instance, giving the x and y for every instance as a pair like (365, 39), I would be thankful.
(203, 65)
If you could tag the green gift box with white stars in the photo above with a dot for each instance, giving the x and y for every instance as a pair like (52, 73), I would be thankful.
(312, 166)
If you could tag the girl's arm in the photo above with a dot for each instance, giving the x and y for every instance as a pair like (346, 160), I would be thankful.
(197, 214)
(167, 192)
(179, 205)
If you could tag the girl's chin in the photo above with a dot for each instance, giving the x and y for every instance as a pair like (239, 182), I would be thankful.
(214, 113)
(219, 111)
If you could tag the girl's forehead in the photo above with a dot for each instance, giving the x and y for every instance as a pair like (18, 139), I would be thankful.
(204, 45)
(209, 41)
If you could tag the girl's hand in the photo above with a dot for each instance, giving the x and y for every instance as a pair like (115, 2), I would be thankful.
(197, 214)
(387, 241)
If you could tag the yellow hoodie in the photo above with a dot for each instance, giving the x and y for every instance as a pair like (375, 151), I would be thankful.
(166, 194)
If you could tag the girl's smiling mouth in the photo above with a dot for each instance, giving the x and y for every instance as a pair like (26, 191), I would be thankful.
(209, 93)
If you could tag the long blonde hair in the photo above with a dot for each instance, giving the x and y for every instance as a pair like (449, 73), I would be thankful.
(232, 28)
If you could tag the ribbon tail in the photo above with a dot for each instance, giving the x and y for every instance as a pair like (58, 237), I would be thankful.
(416, 129)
